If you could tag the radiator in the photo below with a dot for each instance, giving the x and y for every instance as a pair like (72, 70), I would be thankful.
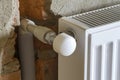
(96, 57)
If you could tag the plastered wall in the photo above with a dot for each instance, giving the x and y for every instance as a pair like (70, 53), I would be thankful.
(9, 18)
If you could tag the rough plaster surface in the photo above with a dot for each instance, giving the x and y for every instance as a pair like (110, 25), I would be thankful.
(9, 17)
(69, 7)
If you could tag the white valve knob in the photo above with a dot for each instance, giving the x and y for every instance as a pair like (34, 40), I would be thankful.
(64, 44)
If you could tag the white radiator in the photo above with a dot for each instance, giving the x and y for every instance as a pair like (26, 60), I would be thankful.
(97, 56)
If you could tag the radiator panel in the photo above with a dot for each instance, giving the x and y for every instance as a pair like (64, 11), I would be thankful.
(104, 55)
(98, 45)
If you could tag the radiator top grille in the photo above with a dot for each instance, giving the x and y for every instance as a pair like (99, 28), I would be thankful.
(100, 17)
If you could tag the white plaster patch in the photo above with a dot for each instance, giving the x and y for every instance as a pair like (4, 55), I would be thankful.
(70, 7)
(8, 12)
(9, 17)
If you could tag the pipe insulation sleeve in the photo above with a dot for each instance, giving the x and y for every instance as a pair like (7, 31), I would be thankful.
(39, 32)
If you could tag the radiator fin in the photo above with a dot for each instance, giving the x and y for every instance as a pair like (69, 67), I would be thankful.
(95, 63)
(105, 61)
(116, 61)
(99, 17)
(106, 68)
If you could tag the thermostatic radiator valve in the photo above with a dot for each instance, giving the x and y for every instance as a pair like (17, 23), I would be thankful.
(63, 43)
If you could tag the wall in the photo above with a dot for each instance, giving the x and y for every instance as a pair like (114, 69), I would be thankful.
(71, 7)
(9, 18)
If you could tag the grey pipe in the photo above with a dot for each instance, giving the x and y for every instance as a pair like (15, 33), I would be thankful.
(26, 52)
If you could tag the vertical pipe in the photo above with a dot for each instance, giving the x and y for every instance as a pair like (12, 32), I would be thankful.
(26, 52)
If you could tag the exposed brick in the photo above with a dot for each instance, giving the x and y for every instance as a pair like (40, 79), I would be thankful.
(11, 76)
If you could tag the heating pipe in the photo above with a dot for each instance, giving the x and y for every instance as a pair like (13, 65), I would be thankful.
(26, 52)
(63, 43)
